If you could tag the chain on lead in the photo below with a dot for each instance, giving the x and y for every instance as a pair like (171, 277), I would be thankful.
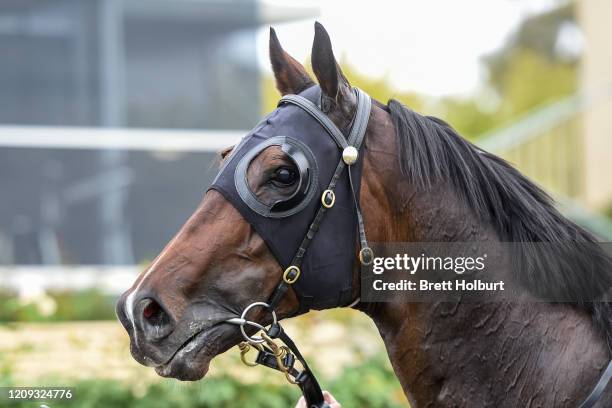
(257, 342)
(280, 352)
(245, 347)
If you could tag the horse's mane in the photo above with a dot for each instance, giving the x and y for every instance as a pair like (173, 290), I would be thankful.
(431, 152)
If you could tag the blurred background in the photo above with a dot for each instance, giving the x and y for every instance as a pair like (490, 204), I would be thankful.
(112, 114)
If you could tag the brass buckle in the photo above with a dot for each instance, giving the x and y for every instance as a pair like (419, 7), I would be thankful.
(324, 198)
(288, 279)
(366, 256)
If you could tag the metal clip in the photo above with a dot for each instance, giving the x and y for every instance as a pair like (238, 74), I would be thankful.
(279, 353)
(244, 349)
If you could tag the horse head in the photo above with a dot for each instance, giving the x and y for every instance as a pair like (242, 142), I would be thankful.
(219, 262)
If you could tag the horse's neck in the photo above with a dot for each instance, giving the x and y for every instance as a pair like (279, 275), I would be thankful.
(494, 353)
(472, 354)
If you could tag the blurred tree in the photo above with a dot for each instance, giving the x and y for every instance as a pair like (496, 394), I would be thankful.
(530, 80)
(534, 67)
(542, 36)
(466, 115)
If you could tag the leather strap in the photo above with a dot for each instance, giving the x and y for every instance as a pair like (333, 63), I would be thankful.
(599, 388)
(307, 382)
(316, 113)
(305, 379)
(362, 117)
(282, 287)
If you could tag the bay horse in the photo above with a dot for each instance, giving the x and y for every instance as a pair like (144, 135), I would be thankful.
(421, 182)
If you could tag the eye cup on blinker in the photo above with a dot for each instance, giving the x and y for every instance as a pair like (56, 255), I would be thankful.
(304, 160)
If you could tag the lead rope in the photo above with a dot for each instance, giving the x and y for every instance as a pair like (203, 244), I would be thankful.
(278, 357)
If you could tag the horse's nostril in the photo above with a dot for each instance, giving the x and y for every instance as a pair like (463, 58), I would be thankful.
(151, 309)
(155, 322)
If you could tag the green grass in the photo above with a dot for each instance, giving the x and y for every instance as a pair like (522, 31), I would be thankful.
(370, 384)
(66, 306)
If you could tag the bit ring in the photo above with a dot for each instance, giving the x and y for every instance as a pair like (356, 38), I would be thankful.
(255, 339)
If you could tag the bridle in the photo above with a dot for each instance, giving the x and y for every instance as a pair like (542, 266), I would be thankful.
(283, 357)
(599, 388)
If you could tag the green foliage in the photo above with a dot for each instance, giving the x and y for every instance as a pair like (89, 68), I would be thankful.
(466, 116)
(369, 385)
(538, 35)
(531, 80)
(56, 306)
(526, 73)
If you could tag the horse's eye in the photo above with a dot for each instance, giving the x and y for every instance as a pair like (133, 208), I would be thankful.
(284, 177)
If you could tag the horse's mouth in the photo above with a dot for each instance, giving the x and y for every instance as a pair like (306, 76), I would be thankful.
(191, 361)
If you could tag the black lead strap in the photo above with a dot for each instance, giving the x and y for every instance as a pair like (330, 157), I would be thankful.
(305, 379)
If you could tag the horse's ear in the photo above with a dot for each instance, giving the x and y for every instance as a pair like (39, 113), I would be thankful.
(335, 87)
(225, 152)
(290, 75)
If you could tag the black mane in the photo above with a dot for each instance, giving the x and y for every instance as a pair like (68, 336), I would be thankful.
(431, 152)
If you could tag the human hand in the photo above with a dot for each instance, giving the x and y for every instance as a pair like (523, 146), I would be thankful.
(326, 396)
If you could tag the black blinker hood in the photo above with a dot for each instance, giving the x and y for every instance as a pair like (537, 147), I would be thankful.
(327, 265)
